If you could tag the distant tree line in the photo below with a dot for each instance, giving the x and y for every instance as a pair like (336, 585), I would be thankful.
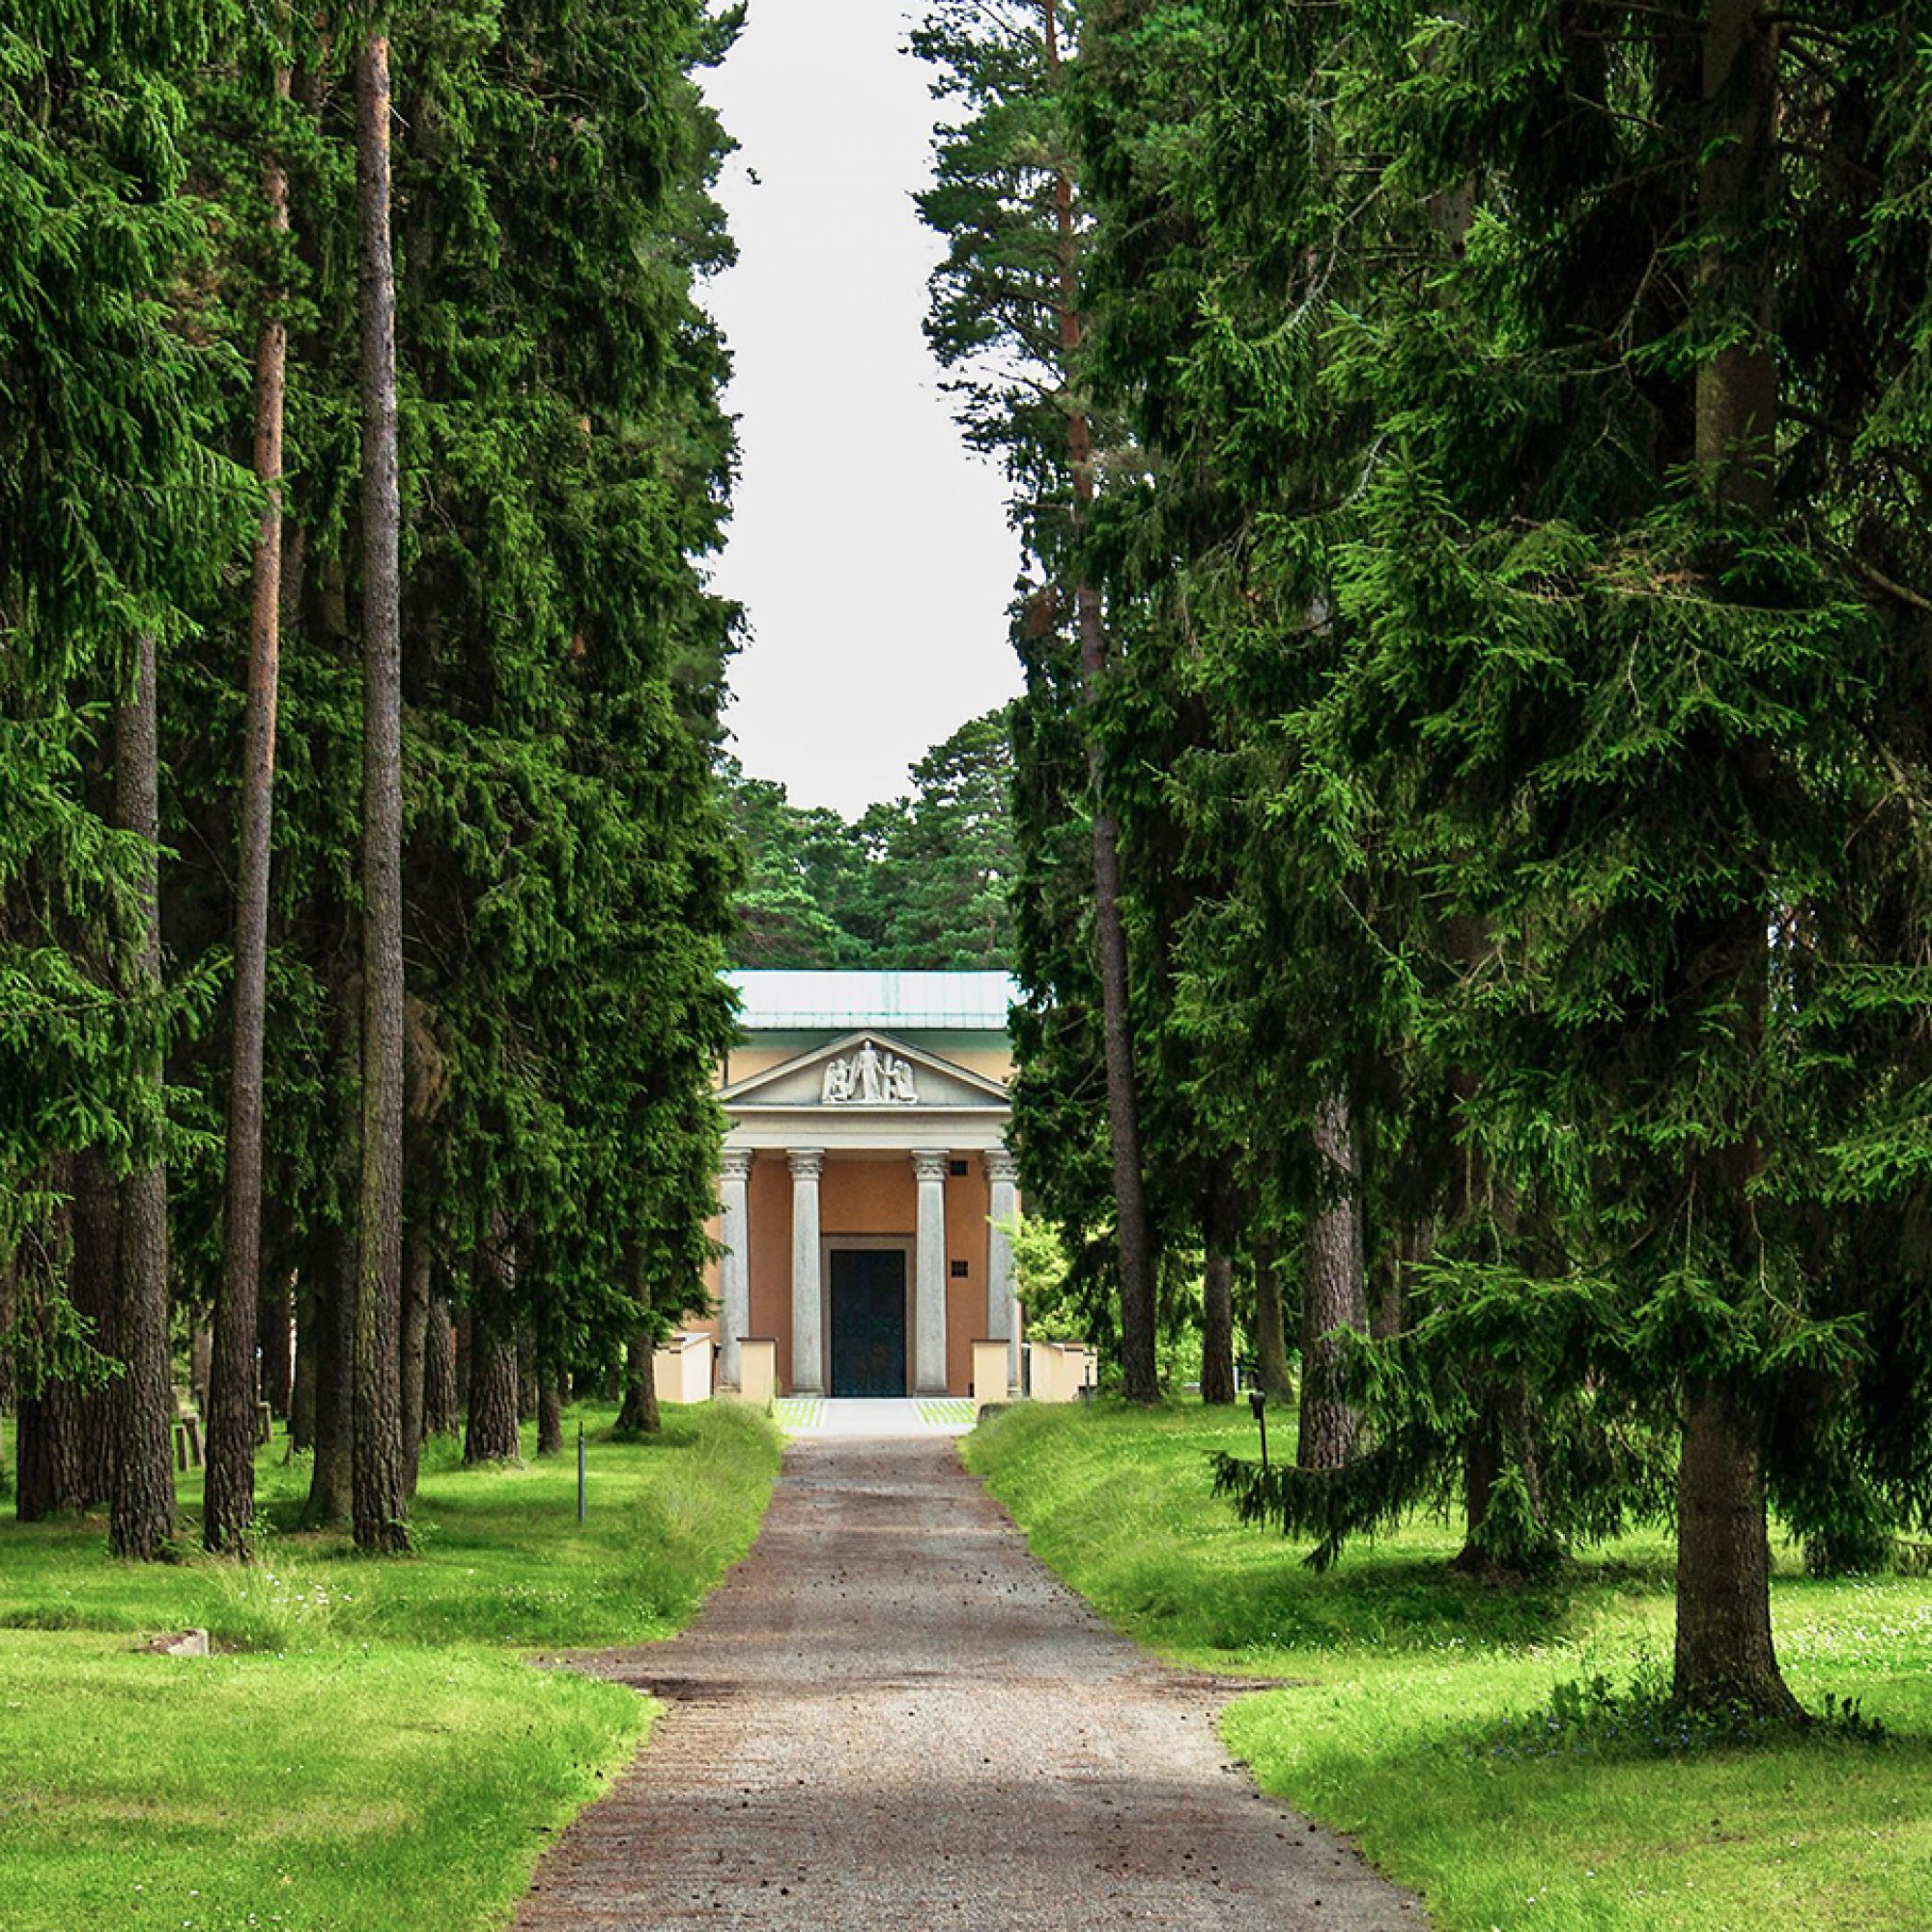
(363, 879)
(918, 882)
(1473, 775)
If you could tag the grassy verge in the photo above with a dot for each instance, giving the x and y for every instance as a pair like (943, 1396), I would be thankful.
(370, 1750)
(1405, 1724)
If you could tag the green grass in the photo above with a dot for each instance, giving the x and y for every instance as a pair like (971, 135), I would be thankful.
(371, 1748)
(1396, 1725)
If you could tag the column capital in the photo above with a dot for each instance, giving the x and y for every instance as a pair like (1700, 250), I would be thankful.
(930, 1163)
(736, 1163)
(1001, 1164)
(806, 1163)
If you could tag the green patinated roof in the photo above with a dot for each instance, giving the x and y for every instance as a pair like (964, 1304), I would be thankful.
(961, 1002)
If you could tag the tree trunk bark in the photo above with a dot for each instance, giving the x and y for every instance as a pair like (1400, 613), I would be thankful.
(333, 1288)
(527, 1374)
(309, 1318)
(47, 1479)
(1336, 1293)
(48, 1470)
(1725, 1649)
(381, 1491)
(439, 1403)
(331, 1486)
(1736, 387)
(417, 1264)
(142, 1516)
(94, 1290)
(638, 1416)
(274, 1327)
(229, 1494)
(465, 1343)
(550, 1412)
(1217, 1289)
(1271, 1324)
(492, 1435)
(1140, 1376)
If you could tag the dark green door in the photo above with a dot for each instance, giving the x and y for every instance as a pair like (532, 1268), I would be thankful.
(868, 1321)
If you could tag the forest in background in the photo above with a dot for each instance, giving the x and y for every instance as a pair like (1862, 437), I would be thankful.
(921, 883)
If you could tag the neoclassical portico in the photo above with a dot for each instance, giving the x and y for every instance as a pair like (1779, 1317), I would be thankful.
(860, 1184)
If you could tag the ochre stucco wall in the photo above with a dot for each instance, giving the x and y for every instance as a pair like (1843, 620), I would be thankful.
(968, 1198)
(861, 1195)
(769, 1213)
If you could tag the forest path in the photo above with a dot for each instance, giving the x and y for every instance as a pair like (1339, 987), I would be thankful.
(892, 1718)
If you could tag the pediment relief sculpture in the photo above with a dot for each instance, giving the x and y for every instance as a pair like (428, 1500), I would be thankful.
(869, 1078)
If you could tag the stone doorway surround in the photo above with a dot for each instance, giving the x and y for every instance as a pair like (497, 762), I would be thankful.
(870, 1094)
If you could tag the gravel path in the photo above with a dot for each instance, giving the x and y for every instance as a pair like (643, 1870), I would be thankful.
(892, 1718)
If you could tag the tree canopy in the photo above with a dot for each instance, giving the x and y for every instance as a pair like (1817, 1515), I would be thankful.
(919, 882)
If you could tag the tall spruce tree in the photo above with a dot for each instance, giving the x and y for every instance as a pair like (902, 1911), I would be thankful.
(1625, 650)
(1007, 313)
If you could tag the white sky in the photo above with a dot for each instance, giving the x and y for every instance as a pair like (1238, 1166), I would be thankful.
(870, 547)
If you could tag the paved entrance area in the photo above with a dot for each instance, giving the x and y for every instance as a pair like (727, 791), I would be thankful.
(873, 1416)
(891, 1718)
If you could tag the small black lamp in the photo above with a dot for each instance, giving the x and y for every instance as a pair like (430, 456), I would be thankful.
(1258, 1402)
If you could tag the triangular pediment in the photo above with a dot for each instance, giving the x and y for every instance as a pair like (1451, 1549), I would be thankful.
(867, 1072)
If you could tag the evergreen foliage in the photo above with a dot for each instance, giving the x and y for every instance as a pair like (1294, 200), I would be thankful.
(919, 883)
(565, 467)
(1514, 559)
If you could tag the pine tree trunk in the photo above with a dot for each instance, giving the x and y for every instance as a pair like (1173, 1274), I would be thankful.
(331, 1486)
(1271, 1324)
(550, 1412)
(1140, 1376)
(1725, 1649)
(47, 1472)
(440, 1402)
(333, 1288)
(1218, 1290)
(417, 1264)
(380, 1489)
(465, 1343)
(1736, 387)
(274, 1324)
(1725, 1652)
(492, 1435)
(309, 1316)
(229, 1493)
(94, 1290)
(9, 1380)
(142, 1516)
(526, 1375)
(638, 1416)
(1336, 1295)
(47, 1479)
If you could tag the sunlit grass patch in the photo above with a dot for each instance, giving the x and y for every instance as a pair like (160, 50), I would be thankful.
(368, 1749)
(1409, 1677)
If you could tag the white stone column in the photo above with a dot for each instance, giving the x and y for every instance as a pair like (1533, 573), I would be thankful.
(928, 1375)
(808, 1347)
(734, 1265)
(1002, 1173)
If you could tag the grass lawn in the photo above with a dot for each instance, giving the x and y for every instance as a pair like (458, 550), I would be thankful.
(371, 1748)
(1398, 1729)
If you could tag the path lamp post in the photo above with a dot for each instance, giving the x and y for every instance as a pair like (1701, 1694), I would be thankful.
(580, 1472)
(1258, 1402)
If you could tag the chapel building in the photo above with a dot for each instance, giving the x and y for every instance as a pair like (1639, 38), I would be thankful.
(865, 1182)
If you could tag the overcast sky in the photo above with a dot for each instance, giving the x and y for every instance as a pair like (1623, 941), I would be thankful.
(871, 548)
